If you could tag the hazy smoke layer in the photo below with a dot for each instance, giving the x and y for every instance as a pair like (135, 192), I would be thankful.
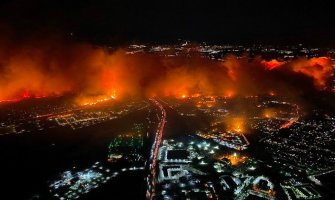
(52, 68)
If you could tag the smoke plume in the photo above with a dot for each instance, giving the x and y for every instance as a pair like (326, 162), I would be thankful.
(39, 69)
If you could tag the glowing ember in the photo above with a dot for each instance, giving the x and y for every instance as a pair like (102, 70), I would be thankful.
(289, 123)
(235, 124)
(269, 113)
(235, 159)
(89, 101)
(272, 64)
(229, 94)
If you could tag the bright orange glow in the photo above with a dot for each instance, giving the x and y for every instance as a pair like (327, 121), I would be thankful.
(229, 94)
(236, 124)
(289, 123)
(31, 71)
(209, 105)
(319, 69)
(269, 113)
(239, 125)
(93, 100)
(196, 95)
(235, 159)
(272, 64)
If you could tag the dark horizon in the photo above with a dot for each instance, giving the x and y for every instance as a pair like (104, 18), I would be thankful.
(104, 99)
(122, 22)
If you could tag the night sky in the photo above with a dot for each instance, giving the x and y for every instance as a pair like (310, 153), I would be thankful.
(126, 21)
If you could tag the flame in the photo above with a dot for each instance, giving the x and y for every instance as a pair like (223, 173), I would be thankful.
(229, 94)
(269, 113)
(289, 123)
(272, 64)
(95, 99)
(235, 159)
(235, 124)
(92, 74)
(319, 69)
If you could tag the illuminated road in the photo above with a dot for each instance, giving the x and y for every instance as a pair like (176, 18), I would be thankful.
(151, 180)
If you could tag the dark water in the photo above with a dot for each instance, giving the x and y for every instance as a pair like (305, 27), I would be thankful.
(29, 161)
(128, 185)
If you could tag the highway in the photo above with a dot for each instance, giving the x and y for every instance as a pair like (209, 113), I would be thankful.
(151, 179)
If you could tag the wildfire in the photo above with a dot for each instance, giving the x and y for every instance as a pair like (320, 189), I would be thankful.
(269, 113)
(24, 95)
(31, 71)
(236, 124)
(234, 159)
(89, 101)
(319, 69)
(272, 64)
(229, 94)
(289, 123)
